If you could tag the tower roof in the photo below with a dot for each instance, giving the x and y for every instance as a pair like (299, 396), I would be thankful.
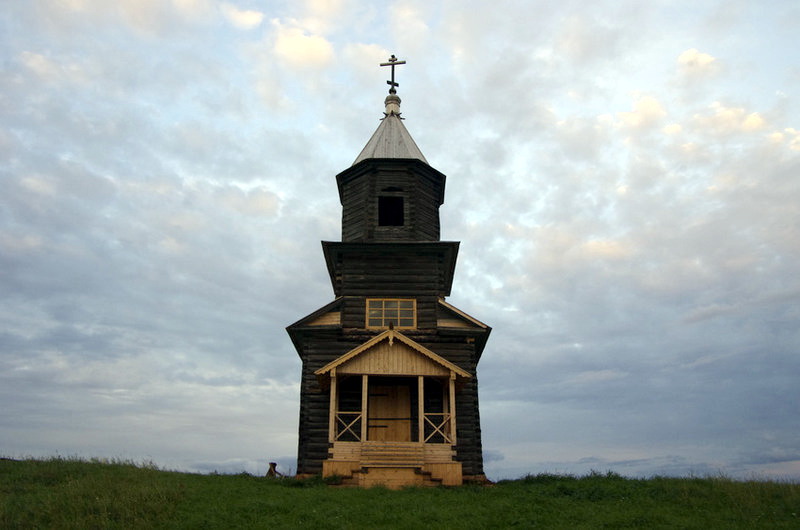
(391, 139)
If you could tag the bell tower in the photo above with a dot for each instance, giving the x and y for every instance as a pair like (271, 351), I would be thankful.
(389, 368)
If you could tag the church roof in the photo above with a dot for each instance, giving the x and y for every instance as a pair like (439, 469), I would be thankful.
(391, 139)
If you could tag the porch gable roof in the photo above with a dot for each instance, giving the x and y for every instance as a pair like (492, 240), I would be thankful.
(390, 335)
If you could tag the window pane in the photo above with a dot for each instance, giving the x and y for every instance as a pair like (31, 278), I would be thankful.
(382, 312)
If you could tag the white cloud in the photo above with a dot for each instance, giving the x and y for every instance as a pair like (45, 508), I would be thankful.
(322, 16)
(606, 249)
(409, 27)
(647, 112)
(724, 120)
(583, 39)
(694, 63)
(790, 136)
(39, 64)
(324, 8)
(256, 202)
(242, 18)
(300, 50)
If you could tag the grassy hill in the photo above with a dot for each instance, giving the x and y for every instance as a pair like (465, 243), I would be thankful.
(63, 493)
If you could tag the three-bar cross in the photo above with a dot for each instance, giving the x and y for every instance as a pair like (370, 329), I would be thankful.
(393, 62)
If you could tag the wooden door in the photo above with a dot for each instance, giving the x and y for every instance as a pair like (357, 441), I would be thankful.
(389, 413)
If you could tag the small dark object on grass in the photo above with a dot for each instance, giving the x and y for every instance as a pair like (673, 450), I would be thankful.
(272, 471)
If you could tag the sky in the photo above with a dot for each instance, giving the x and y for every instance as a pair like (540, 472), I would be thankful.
(624, 178)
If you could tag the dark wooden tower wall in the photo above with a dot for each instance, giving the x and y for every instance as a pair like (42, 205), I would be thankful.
(390, 200)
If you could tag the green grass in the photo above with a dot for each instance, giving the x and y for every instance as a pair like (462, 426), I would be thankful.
(66, 493)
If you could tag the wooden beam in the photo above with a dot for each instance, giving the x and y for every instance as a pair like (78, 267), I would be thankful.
(452, 388)
(364, 405)
(421, 408)
(333, 408)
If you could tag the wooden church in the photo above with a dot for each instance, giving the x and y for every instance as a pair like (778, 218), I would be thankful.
(389, 391)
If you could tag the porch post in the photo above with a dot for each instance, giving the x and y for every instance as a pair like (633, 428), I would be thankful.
(332, 410)
(364, 402)
(421, 408)
(452, 389)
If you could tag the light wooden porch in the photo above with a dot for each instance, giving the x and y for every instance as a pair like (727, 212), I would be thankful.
(392, 415)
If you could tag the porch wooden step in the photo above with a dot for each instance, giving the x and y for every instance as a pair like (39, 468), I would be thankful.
(389, 454)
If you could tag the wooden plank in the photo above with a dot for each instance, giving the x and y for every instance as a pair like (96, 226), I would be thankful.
(332, 409)
(438, 453)
(420, 408)
(399, 359)
(452, 402)
(342, 468)
(364, 406)
(449, 473)
(328, 319)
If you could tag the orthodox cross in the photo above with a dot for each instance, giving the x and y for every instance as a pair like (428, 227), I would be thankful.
(393, 62)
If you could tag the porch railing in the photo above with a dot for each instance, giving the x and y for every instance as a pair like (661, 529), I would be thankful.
(348, 426)
(439, 423)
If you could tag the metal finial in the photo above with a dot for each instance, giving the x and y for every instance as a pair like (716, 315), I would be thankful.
(393, 62)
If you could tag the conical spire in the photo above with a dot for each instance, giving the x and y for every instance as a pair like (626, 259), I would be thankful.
(391, 139)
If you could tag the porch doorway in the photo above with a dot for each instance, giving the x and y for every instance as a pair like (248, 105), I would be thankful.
(389, 411)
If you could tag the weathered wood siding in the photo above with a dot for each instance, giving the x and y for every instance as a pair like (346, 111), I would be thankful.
(385, 269)
(421, 187)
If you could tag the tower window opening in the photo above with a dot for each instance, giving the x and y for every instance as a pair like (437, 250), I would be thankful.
(391, 211)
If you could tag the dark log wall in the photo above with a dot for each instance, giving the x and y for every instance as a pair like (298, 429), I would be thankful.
(385, 269)
(357, 211)
(318, 349)
(375, 275)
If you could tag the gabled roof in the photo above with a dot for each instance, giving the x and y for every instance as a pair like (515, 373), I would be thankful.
(390, 336)
(326, 317)
(467, 320)
(391, 139)
(314, 318)
(451, 320)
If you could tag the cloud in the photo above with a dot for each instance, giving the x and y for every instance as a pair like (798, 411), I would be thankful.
(585, 40)
(723, 120)
(790, 136)
(647, 112)
(241, 18)
(694, 63)
(300, 50)
(408, 25)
